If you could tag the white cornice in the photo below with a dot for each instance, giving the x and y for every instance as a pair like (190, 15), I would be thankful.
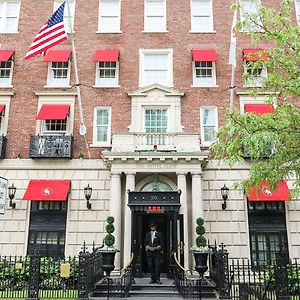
(144, 91)
(6, 93)
(57, 93)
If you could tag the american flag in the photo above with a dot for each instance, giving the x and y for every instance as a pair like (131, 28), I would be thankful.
(52, 33)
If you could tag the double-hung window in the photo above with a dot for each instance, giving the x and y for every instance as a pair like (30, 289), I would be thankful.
(6, 68)
(204, 68)
(209, 124)
(102, 126)
(68, 19)
(109, 16)
(249, 13)
(156, 67)
(201, 16)
(9, 16)
(155, 16)
(297, 3)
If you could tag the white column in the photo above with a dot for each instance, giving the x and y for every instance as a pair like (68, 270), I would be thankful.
(115, 211)
(181, 183)
(197, 202)
(130, 185)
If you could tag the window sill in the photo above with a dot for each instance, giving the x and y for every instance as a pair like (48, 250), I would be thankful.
(251, 86)
(100, 145)
(162, 31)
(57, 86)
(106, 86)
(6, 86)
(205, 86)
(194, 31)
(1, 32)
(109, 32)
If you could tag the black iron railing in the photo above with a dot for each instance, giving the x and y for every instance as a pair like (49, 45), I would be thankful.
(51, 146)
(3, 141)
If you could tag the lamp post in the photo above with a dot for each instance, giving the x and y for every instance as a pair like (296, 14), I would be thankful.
(87, 194)
(11, 194)
(224, 193)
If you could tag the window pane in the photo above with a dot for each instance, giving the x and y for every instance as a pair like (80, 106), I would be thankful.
(201, 7)
(109, 16)
(12, 9)
(57, 4)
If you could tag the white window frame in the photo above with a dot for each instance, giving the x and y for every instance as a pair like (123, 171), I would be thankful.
(7, 82)
(164, 16)
(216, 125)
(143, 53)
(57, 4)
(58, 82)
(118, 16)
(111, 82)
(3, 19)
(101, 143)
(197, 82)
(254, 81)
(156, 107)
(243, 29)
(63, 99)
(5, 99)
(297, 10)
(259, 99)
(211, 23)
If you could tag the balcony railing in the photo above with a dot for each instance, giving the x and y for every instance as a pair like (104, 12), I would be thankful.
(3, 141)
(177, 142)
(51, 146)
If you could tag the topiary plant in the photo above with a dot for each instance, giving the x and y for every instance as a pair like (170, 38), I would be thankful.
(109, 239)
(200, 241)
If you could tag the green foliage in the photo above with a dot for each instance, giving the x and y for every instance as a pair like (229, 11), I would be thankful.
(200, 221)
(201, 241)
(110, 228)
(109, 239)
(200, 230)
(110, 220)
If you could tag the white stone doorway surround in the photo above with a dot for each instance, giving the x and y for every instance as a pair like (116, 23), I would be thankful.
(131, 171)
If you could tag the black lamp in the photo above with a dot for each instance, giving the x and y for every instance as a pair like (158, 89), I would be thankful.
(87, 194)
(224, 192)
(11, 194)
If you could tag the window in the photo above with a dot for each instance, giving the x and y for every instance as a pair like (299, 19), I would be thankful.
(59, 74)
(9, 16)
(2, 119)
(156, 67)
(155, 15)
(209, 124)
(254, 77)
(102, 126)
(57, 4)
(267, 227)
(156, 124)
(109, 16)
(297, 3)
(204, 73)
(6, 69)
(54, 127)
(249, 12)
(201, 16)
(107, 74)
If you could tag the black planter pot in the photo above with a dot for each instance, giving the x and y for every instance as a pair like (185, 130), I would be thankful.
(108, 261)
(201, 262)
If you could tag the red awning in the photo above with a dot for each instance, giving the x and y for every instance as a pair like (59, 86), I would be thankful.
(53, 112)
(1, 108)
(106, 55)
(204, 55)
(47, 190)
(281, 193)
(255, 54)
(260, 109)
(5, 55)
(57, 55)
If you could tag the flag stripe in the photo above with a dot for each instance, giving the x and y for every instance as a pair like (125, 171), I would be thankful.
(51, 33)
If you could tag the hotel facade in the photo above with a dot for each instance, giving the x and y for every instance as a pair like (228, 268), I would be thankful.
(155, 82)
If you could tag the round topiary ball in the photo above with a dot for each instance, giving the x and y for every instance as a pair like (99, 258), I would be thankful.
(110, 220)
(110, 228)
(201, 241)
(200, 221)
(109, 240)
(200, 229)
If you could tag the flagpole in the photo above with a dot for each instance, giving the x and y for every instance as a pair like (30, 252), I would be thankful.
(82, 129)
(232, 87)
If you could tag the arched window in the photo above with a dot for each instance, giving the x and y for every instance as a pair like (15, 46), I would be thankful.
(156, 186)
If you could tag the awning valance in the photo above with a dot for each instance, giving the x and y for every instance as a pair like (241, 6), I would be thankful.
(57, 55)
(281, 193)
(53, 112)
(204, 55)
(260, 109)
(255, 54)
(47, 190)
(106, 55)
(1, 108)
(5, 55)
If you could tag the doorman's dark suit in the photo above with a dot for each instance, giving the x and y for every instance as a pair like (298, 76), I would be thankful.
(153, 257)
